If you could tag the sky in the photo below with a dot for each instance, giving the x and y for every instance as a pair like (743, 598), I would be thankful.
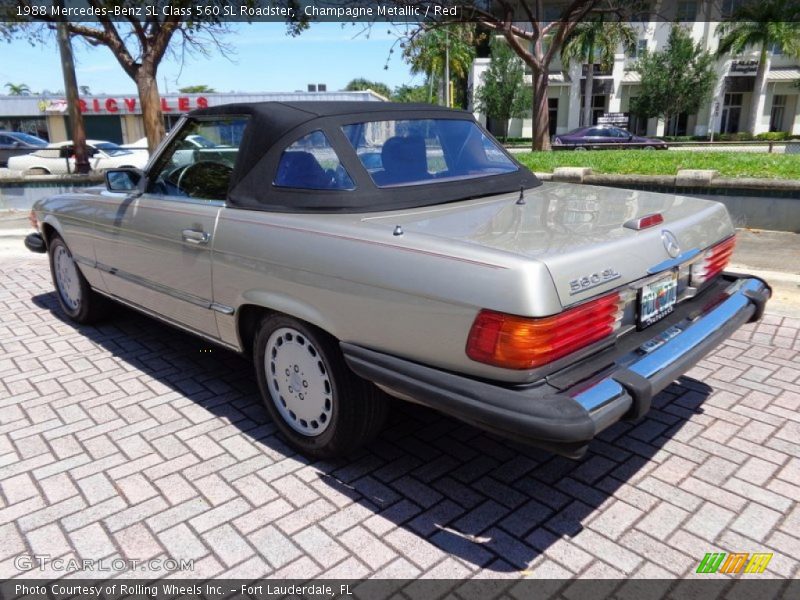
(265, 59)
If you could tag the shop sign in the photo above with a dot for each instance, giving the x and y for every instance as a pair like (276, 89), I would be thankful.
(113, 105)
(744, 66)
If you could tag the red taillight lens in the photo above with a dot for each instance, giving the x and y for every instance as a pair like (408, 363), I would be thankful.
(713, 262)
(517, 342)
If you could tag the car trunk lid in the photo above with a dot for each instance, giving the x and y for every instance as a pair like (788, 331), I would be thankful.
(577, 231)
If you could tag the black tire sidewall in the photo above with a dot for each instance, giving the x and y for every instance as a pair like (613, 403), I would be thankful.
(335, 437)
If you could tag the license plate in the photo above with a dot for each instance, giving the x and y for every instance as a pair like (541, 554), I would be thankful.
(657, 299)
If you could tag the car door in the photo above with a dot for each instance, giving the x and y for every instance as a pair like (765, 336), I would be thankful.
(155, 248)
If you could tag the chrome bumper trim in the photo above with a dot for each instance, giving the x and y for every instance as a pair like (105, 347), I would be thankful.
(650, 365)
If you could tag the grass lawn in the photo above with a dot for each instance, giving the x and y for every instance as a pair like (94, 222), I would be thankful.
(658, 162)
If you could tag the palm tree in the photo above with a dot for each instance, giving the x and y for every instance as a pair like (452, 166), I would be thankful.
(595, 42)
(18, 89)
(425, 52)
(760, 25)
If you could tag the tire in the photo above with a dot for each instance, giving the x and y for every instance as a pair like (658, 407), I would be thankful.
(75, 297)
(336, 411)
(581, 148)
(649, 148)
(37, 171)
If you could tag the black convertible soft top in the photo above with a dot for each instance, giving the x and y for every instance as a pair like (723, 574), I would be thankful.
(273, 126)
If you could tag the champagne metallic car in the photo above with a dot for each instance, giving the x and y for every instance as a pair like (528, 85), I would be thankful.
(356, 250)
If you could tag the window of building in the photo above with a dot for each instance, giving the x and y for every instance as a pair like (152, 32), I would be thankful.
(598, 108)
(199, 161)
(686, 11)
(729, 7)
(311, 163)
(36, 126)
(552, 109)
(677, 125)
(731, 113)
(777, 112)
(638, 50)
(776, 49)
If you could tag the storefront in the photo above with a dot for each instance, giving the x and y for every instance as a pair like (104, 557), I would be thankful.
(118, 118)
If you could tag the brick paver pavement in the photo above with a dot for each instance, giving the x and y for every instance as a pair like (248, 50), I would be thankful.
(132, 440)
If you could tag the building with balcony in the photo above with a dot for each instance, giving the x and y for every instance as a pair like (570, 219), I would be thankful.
(727, 111)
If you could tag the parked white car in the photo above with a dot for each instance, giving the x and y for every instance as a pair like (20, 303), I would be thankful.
(59, 158)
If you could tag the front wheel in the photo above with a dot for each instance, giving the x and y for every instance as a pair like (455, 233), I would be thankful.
(317, 403)
(76, 298)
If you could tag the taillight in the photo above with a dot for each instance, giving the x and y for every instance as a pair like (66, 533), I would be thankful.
(713, 262)
(516, 342)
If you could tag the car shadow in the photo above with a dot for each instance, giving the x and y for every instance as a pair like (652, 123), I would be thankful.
(491, 502)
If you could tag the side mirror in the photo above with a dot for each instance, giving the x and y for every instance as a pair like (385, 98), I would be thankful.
(124, 180)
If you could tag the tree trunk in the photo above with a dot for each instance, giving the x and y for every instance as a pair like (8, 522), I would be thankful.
(82, 165)
(756, 102)
(540, 123)
(151, 106)
(588, 92)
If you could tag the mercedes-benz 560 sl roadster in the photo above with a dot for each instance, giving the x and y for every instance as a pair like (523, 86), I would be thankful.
(356, 250)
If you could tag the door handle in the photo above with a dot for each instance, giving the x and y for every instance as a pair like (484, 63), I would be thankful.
(195, 237)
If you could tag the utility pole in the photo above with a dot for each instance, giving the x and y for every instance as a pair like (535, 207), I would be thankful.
(71, 87)
(446, 67)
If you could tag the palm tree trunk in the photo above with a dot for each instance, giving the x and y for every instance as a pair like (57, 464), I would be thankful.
(588, 92)
(760, 88)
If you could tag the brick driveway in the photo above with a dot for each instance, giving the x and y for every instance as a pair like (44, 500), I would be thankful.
(133, 440)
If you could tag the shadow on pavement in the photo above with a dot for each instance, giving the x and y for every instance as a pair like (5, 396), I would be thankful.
(446, 485)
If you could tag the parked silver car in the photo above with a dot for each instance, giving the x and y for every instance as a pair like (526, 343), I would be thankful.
(359, 248)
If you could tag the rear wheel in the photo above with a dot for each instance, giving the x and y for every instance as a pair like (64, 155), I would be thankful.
(317, 403)
(649, 147)
(76, 298)
(581, 149)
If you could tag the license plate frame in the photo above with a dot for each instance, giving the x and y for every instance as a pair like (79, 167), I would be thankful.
(656, 299)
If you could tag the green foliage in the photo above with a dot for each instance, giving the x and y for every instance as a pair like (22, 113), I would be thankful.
(774, 136)
(648, 162)
(503, 93)
(425, 50)
(760, 25)
(360, 84)
(18, 89)
(596, 42)
(412, 93)
(197, 89)
(677, 80)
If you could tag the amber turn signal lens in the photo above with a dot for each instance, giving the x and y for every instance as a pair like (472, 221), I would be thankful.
(515, 342)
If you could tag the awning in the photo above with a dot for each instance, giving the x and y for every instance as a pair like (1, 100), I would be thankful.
(788, 74)
(631, 77)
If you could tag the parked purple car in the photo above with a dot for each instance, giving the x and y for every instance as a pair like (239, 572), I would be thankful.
(600, 137)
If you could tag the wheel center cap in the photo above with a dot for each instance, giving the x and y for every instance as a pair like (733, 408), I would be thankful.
(296, 382)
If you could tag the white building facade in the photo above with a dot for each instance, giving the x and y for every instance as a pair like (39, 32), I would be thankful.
(727, 111)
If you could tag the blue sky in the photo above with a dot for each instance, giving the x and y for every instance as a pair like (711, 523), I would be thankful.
(265, 60)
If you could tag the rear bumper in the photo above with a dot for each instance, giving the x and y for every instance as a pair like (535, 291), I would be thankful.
(566, 421)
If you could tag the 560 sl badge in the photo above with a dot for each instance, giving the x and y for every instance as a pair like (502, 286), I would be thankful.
(587, 282)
